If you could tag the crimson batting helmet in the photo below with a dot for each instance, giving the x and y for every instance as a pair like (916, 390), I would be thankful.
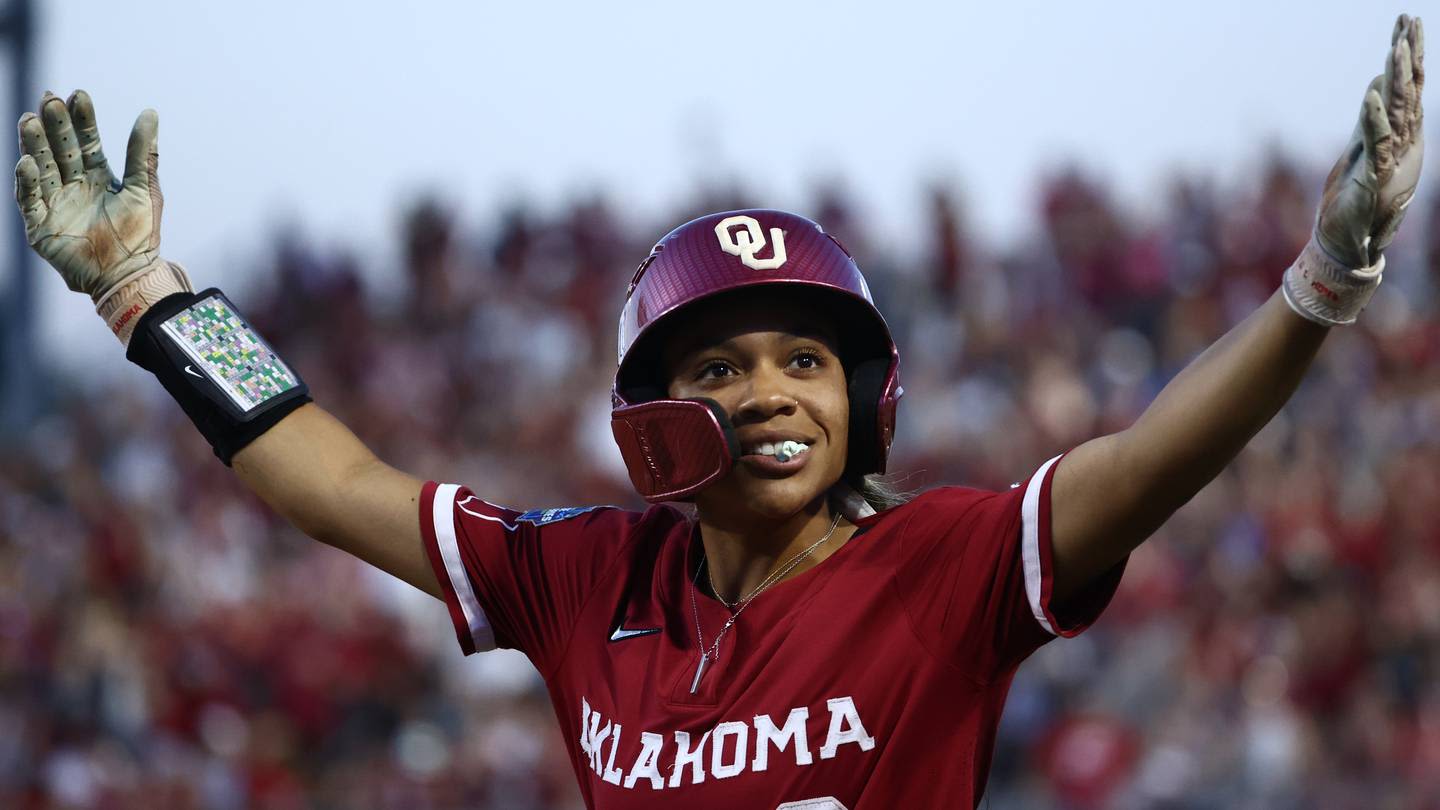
(674, 448)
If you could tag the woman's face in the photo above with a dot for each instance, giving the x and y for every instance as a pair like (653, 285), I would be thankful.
(772, 363)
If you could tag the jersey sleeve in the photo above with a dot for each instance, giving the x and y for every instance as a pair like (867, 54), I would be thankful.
(517, 579)
(976, 576)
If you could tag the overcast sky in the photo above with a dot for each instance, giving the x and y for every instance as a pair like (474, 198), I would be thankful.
(332, 115)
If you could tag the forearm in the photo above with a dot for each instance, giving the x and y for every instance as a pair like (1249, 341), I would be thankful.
(103, 236)
(1109, 494)
(315, 473)
(1205, 416)
(1118, 489)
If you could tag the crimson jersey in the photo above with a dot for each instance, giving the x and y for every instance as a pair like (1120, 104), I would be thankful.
(875, 679)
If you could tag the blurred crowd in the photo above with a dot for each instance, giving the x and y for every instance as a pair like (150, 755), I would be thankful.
(166, 641)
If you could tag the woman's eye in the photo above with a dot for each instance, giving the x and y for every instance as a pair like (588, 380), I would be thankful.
(714, 370)
(807, 360)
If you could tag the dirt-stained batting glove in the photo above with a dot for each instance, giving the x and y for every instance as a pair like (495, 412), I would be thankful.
(1367, 191)
(101, 234)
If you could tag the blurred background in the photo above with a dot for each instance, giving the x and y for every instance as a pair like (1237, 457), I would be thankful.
(432, 210)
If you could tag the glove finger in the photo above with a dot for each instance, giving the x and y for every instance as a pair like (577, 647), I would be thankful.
(27, 193)
(1417, 55)
(1377, 135)
(1377, 85)
(61, 133)
(141, 154)
(1412, 89)
(34, 143)
(87, 132)
(1402, 22)
(1399, 86)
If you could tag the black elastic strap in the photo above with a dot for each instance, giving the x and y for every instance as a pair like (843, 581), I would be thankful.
(228, 421)
(732, 442)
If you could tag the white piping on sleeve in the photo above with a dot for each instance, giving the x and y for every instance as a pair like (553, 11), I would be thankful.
(1030, 544)
(443, 515)
(509, 527)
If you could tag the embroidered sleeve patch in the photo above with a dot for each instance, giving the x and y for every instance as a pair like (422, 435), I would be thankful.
(540, 517)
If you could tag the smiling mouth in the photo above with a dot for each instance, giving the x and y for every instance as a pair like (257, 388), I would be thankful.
(780, 451)
(770, 465)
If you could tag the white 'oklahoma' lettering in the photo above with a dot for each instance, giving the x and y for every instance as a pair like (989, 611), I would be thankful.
(612, 774)
(647, 765)
(719, 768)
(687, 757)
(725, 749)
(842, 712)
(595, 740)
(766, 733)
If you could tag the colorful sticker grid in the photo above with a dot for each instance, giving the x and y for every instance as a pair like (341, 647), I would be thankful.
(231, 353)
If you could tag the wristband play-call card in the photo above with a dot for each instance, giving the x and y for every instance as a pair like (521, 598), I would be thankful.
(230, 353)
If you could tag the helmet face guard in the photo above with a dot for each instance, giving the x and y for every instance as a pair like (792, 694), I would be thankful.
(675, 448)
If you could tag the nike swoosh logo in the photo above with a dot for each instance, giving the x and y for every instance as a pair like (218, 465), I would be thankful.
(189, 369)
(621, 632)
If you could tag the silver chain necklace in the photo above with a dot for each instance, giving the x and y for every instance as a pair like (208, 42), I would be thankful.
(708, 578)
(706, 656)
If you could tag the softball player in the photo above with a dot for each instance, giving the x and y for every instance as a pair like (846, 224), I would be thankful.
(800, 639)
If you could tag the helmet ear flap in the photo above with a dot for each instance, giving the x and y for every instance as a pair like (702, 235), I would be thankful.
(867, 386)
(722, 419)
(641, 394)
(673, 448)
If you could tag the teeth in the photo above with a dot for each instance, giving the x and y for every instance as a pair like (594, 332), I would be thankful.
(789, 450)
(784, 451)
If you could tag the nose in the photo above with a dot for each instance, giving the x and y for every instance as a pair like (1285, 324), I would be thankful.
(767, 394)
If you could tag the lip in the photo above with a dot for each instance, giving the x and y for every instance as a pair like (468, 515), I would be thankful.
(771, 467)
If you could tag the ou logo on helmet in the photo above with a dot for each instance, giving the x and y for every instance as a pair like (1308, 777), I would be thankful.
(742, 236)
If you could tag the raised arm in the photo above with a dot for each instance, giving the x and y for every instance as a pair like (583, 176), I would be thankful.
(103, 236)
(313, 471)
(1111, 493)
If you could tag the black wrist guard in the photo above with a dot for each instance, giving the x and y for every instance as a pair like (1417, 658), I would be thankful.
(228, 380)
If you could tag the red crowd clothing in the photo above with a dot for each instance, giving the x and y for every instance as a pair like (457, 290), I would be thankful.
(875, 679)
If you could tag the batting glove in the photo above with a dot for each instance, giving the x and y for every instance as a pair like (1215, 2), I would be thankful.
(1367, 192)
(101, 234)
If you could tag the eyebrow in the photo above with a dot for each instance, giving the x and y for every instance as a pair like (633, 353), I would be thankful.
(698, 344)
